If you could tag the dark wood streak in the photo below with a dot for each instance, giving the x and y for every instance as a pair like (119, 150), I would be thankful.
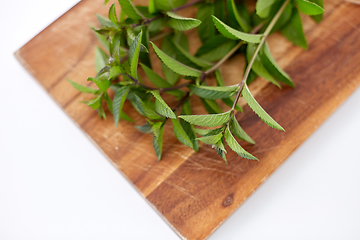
(91, 117)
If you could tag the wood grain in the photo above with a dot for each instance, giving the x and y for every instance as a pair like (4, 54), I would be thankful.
(196, 192)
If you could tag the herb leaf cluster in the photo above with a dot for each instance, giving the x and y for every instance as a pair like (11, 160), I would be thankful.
(225, 28)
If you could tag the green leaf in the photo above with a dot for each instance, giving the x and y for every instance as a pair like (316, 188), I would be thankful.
(82, 88)
(263, 7)
(215, 48)
(281, 22)
(210, 92)
(158, 141)
(257, 66)
(308, 7)
(112, 14)
(152, 7)
(115, 71)
(156, 128)
(212, 139)
(175, 65)
(123, 115)
(255, 19)
(161, 107)
(209, 132)
(228, 101)
(206, 29)
(202, 131)
(244, 15)
(154, 77)
(104, 72)
(102, 82)
(231, 33)
(198, 61)
(146, 109)
(180, 39)
(146, 128)
(156, 25)
(128, 7)
(106, 1)
(145, 56)
(106, 32)
(189, 128)
(219, 52)
(126, 66)
(126, 117)
(211, 120)
(239, 18)
(235, 146)
(220, 149)
(115, 49)
(134, 53)
(144, 10)
(168, 4)
(96, 102)
(169, 48)
(181, 23)
(109, 102)
(118, 103)
(102, 39)
(212, 43)
(104, 22)
(254, 105)
(101, 112)
(180, 134)
(211, 106)
(219, 9)
(137, 104)
(131, 37)
(101, 59)
(238, 131)
(284, 17)
(230, 18)
(159, 81)
(318, 18)
(272, 67)
(293, 30)
(122, 16)
(140, 93)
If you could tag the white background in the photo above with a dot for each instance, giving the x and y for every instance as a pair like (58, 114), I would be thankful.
(54, 184)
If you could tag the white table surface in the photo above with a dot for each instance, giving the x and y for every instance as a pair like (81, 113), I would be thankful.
(54, 184)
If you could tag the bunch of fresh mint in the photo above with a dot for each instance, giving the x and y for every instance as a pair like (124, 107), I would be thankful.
(225, 28)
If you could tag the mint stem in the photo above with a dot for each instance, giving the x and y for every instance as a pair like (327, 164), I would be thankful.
(263, 40)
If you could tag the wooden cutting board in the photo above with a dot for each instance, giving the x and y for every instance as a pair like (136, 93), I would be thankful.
(195, 192)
